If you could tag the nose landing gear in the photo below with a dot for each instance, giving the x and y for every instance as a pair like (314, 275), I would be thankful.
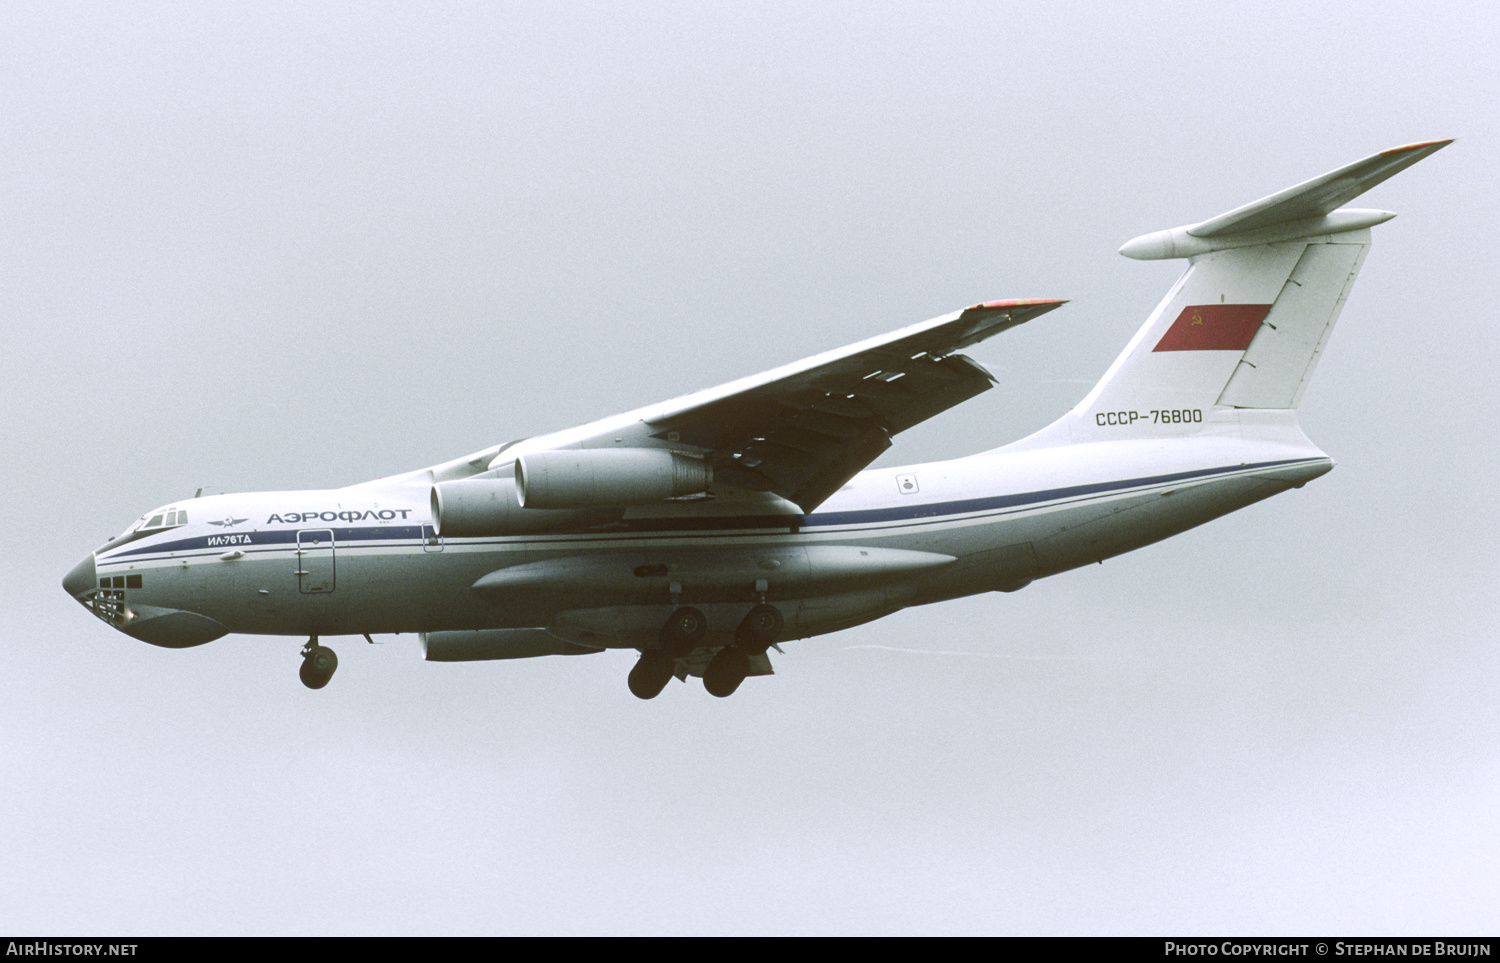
(318, 664)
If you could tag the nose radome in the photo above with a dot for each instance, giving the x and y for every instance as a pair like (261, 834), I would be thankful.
(83, 577)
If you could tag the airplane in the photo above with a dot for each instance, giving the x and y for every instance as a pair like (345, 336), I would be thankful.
(704, 531)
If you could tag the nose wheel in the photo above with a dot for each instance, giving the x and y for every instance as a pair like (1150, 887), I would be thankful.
(318, 664)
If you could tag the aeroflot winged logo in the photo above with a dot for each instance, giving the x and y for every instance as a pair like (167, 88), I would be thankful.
(229, 522)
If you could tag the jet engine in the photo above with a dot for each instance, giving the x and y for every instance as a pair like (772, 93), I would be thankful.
(489, 507)
(598, 477)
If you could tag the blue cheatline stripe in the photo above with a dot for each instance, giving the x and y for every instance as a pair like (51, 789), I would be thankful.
(869, 516)
(988, 503)
(228, 543)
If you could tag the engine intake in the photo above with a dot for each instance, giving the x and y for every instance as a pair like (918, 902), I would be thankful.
(600, 477)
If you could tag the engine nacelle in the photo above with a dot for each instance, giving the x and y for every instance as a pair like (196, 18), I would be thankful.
(489, 507)
(599, 477)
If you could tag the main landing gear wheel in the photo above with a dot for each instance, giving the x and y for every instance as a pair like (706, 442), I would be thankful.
(685, 628)
(651, 674)
(761, 627)
(725, 673)
(318, 665)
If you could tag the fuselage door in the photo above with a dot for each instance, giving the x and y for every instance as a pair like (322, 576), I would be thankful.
(315, 565)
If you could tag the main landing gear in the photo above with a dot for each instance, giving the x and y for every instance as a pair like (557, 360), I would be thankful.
(681, 635)
(760, 629)
(685, 628)
(318, 664)
(651, 674)
(725, 673)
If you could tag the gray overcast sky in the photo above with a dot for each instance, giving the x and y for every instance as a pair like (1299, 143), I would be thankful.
(299, 245)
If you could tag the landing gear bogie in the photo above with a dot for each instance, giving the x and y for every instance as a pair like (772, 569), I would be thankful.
(685, 648)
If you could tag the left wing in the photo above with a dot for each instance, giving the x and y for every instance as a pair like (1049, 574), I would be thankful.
(804, 429)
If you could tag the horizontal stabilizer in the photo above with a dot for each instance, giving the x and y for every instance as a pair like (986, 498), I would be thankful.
(1306, 210)
(1321, 195)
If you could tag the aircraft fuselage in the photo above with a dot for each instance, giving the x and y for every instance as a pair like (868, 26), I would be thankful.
(366, 559)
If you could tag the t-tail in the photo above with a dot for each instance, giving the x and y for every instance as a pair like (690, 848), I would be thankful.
(1232, 346)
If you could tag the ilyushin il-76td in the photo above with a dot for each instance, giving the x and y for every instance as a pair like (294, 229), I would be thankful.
(703, 531)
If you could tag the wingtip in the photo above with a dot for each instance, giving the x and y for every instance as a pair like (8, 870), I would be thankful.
(1405, 148)
(1016, 303)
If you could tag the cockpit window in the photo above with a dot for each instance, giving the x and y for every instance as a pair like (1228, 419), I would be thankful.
(163, 520)
(159, 521)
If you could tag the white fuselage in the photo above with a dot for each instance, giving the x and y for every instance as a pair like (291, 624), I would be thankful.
(365, 559)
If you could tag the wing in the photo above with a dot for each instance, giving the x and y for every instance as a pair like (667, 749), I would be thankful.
(804, 429)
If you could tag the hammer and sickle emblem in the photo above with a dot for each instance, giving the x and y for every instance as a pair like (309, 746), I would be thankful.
(1197, 318)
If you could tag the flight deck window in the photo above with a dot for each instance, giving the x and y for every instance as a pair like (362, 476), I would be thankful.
(171, 518)
(174, 518)
(132, 581)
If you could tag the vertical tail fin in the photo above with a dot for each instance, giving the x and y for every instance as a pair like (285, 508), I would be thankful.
(1245, 325)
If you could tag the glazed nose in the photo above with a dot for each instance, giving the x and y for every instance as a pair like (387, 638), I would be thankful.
(81, 578)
